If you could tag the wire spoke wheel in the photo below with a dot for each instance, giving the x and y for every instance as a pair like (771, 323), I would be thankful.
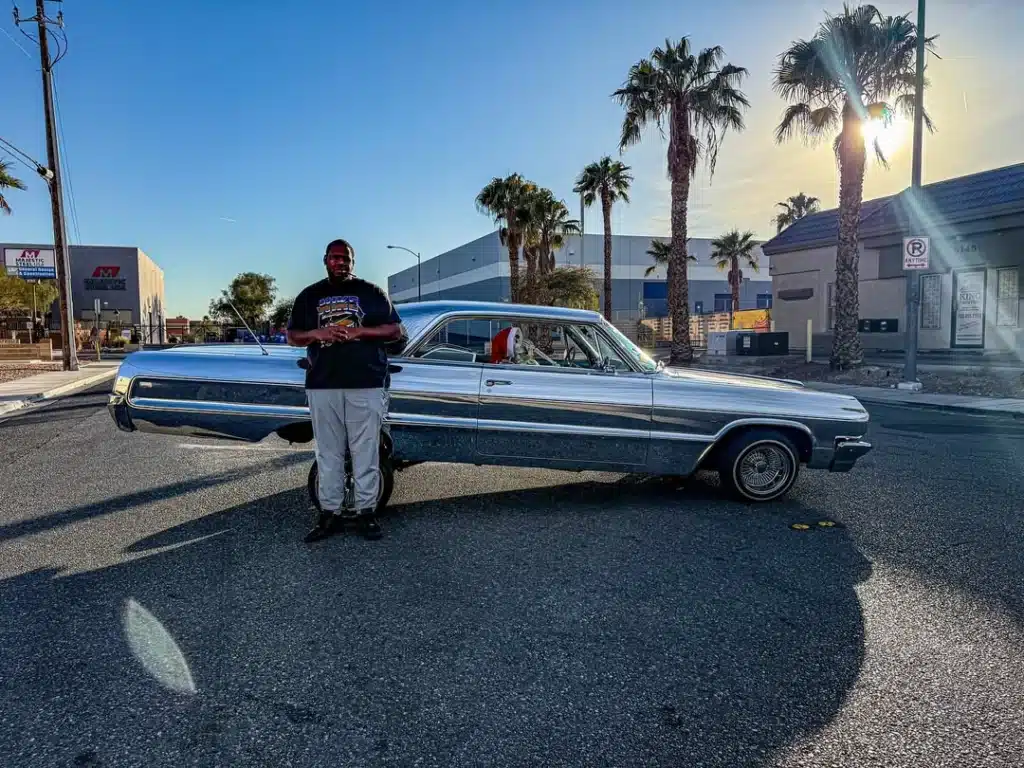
(764, 469)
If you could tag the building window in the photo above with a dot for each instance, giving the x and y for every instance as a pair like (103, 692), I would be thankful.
(830, 306)
(1007, 297)
(723, 302)
(764, 301)
(931, 302)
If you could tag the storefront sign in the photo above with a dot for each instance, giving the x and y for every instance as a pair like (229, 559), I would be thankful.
(30, 263)
(969, 308)
(106, 279)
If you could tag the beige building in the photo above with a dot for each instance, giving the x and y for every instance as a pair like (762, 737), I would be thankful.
(970, 294)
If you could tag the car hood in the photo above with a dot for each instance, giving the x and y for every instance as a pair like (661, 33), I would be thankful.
(721, 378)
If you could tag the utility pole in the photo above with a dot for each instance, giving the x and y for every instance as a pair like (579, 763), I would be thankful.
(913, 280)
(62, 260)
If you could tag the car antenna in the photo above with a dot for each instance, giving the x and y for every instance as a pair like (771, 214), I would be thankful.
(257, 338)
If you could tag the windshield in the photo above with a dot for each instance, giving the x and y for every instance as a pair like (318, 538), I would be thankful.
(646, 362)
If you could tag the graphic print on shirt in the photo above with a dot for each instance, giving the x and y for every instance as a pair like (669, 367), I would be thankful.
(339, 310)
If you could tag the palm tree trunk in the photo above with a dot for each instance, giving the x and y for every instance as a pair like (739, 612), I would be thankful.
(606, 210)
(678, 286)
(513, 268)
(734, 281)
(846, 346)
(528, 295)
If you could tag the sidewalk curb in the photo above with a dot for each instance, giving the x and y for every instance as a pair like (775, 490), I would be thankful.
(13, 406)
(946, 407)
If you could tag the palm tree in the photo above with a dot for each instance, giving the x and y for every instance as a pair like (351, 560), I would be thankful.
(728, 252)
(553, 224)
(506, 200)
(661, 251)
(846, 75)
(698, 97)
(608, 180)
(795, 207)
(7, 181)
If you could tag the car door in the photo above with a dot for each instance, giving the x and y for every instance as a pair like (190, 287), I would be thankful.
(573, 414)
(432, 413)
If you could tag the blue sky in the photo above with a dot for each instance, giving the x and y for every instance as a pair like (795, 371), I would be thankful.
(244, 137)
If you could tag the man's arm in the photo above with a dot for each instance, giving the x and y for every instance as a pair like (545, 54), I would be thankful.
(301, 331)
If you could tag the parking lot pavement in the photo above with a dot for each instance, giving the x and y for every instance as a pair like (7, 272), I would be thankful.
(158, 607)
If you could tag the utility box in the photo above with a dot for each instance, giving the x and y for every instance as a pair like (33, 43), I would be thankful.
(767, 343)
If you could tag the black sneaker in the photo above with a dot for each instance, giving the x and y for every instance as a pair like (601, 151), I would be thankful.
(325, 526)
(368, 525)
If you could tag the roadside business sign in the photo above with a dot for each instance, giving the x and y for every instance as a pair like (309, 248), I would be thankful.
(916, 252)
(30, 263)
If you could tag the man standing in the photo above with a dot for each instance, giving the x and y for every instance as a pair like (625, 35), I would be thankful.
(344, 323)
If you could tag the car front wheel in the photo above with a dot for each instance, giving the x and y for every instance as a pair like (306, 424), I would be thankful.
(759, 465)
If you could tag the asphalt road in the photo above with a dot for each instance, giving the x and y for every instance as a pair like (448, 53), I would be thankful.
(158, 608)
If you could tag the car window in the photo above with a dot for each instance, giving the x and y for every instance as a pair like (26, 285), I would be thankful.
(463, 340)
(606, 353)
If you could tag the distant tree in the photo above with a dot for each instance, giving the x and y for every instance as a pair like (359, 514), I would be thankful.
(661, 252)
(252, 294)
(728, 252)
(568, 287)
(506, 200)
(280, 313)
(7, 181)
(16, 294)
(204, 329)
(794, 208)
(606, 180)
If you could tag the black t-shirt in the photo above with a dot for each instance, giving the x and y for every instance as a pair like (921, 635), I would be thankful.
(351, 364)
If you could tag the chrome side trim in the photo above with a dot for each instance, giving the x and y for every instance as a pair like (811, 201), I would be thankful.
(423, 420)
(496, 425)
(227, 409)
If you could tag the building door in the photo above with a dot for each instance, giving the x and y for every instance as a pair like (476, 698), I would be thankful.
(968, 326)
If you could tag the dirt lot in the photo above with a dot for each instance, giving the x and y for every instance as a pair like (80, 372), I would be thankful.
(12, 371)
(978, 382)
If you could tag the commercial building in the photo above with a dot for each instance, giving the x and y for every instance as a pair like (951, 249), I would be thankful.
(970, 293)
(479, 270)
(129, 285)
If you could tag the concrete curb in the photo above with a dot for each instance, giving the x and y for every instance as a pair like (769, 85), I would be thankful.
(946, 407)
(924, 405)
(54, 393)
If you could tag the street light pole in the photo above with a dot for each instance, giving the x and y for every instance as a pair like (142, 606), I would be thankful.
(419, 281)
(913, 279)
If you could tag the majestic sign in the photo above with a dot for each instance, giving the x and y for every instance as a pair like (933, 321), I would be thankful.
(106, 279)
(30, 263)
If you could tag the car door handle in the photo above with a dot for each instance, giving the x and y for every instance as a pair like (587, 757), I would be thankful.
(495, 382)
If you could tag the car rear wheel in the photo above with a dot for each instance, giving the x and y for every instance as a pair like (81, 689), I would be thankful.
(758, 466)
(385, 487)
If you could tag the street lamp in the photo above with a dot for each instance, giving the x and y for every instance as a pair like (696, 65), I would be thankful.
(419, 282)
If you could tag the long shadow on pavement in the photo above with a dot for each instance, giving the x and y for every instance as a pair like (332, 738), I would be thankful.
(588, 624)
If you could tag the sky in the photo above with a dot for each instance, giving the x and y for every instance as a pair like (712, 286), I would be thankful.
(243, 136)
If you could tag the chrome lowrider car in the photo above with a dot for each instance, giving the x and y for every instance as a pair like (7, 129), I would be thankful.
(497, 383)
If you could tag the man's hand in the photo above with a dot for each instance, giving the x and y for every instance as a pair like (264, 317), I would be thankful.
(337, 333)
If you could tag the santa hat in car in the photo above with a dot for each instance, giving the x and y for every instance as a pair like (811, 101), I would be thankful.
(503, 345)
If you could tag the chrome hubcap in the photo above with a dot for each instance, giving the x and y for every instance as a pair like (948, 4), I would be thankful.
(764, 469)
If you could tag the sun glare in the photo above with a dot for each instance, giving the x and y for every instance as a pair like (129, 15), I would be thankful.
(890, 137)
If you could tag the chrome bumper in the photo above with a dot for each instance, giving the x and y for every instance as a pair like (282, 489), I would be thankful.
(840, 456)
(117, 406)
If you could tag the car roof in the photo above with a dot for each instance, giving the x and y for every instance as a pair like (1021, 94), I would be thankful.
(445, 306)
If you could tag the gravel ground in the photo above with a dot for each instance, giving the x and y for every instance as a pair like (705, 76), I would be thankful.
(13, 371)
(158, 608)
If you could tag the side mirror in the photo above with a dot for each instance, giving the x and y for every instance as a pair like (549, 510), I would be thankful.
(607, 367)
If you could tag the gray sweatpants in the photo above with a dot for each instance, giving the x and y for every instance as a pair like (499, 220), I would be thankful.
(353, 417)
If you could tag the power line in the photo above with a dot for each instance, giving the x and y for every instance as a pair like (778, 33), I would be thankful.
(64, 154)
(20, 46)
